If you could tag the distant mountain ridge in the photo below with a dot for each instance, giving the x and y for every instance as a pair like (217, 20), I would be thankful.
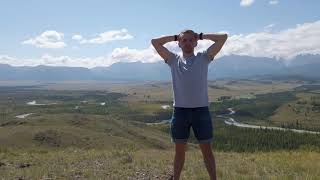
(233, 66)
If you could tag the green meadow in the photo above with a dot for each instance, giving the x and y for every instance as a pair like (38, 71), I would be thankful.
(116, 131)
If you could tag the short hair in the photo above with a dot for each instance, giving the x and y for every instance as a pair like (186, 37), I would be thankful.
(188, 31)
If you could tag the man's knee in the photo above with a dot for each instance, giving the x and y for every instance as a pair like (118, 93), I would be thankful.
(180, 147)
(206, 148)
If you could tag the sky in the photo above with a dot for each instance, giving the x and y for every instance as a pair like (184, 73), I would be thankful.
(100, 33)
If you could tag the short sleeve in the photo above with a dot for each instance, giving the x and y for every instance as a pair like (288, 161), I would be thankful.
(206, 57)
(171, 60)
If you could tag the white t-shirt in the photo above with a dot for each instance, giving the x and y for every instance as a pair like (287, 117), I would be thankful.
(189, 80)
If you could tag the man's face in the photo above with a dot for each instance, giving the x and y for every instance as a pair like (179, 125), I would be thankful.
(187, 42)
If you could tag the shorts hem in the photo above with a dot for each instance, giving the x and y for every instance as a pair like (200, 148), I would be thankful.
(205, 141)
(179, 140)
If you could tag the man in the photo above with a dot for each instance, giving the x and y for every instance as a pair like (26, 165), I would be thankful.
(191, 104)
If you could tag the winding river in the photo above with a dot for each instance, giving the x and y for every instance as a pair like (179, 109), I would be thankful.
(230, 121)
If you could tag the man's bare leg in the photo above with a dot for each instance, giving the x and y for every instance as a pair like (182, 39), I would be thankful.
(209, 160)
(179, 159)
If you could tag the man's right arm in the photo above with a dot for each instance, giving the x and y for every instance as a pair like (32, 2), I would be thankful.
(162, 51)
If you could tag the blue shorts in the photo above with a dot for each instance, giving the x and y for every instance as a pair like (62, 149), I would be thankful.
(198, 118)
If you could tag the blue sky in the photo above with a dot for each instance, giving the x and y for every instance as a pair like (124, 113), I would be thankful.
(99, 33)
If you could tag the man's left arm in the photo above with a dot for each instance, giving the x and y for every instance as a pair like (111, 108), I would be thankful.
(219, 40)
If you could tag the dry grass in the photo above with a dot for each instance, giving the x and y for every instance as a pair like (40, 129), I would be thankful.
(130, 163)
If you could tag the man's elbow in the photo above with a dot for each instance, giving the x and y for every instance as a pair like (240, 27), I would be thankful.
(225, 37)
(153, 42)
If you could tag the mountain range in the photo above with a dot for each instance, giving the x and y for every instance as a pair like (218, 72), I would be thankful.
(233, 66)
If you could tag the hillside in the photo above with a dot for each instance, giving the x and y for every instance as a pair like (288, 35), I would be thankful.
(116, 131)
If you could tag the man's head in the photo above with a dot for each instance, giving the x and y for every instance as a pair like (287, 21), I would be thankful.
(188, 40)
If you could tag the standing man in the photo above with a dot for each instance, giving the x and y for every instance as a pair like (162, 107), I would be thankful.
(191, 104)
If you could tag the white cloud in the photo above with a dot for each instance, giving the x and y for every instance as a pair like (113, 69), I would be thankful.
(49, 60)
(125, 54)
(286, 44)
(273, 2)
(48, 39)
(246, 2)
(269, 27)
(77, 37)
(131, 55)
(105, 37)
